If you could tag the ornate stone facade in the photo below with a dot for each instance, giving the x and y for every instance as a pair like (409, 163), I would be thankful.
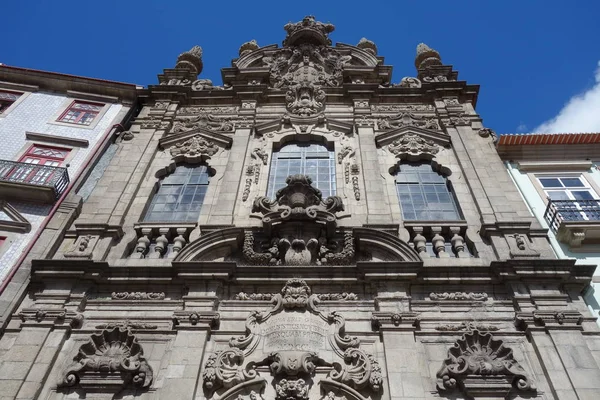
(303, 275)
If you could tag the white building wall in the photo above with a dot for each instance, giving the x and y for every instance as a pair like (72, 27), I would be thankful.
(37, 112)
(586, 254)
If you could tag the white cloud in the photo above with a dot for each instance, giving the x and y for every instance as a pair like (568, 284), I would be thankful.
(521, 128)
(580, 114)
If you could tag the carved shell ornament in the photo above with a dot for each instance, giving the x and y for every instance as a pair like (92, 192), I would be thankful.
(479, 354)
(112, 352)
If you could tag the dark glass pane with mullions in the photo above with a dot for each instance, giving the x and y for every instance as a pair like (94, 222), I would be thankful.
(180, 195)
(314, 160)
(424, 194)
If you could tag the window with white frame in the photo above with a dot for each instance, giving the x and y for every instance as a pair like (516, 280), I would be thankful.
(314, 160)
(572, 196)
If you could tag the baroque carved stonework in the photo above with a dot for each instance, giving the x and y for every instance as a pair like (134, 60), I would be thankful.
(345, 296)
(195, 149)
(458, 296)
(413, 147)
(138, 295)
(110, 358)
(292, 339)
(478, 362)
(205, 121)
(407, 119)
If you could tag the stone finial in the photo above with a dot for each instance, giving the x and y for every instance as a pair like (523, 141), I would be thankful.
(426, 56)
(191, 60)
(367, 45)
(308, 31)
(248, 47)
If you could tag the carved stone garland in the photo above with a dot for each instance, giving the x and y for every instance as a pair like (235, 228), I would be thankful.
(294, 334)
(479, 363)
(110, 358)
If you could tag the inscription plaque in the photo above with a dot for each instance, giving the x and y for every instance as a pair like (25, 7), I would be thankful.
(295, 331)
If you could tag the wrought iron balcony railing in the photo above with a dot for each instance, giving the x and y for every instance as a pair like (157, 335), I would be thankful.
(559, 211)
(43, 176)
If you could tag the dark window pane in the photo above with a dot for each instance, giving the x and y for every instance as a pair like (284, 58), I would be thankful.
(550, 182)
(572, 182)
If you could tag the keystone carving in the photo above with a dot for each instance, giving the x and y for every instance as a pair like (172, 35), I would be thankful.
(113, 353)
(292, 389)
(195, 149)
(407, 119)
(478, 360)
(413, 147)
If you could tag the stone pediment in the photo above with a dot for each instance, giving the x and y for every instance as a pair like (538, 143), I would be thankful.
(195, 145)
(387, 137)
(305, 349)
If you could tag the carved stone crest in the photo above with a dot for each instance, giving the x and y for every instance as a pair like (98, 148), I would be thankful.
(305, 99)
(479, 362)
(292, 339)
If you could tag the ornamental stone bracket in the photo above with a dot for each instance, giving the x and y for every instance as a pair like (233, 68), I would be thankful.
(480, 365)
(54, 317)
(110, 360)
(549, 320)
(305, 350)
(407, 321)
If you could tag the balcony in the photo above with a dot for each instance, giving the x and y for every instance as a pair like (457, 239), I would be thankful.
(32, 182)
(574, 221)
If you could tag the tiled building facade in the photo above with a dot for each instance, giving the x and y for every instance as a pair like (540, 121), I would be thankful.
(558, 176)
(308, 230)
(53, 128)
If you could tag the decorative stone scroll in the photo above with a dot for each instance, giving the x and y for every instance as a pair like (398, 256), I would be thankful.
(112, 358)
(345, 296)
(292, 339)
(479, 363)
(413, 148)
(407, 119)
(196, 149)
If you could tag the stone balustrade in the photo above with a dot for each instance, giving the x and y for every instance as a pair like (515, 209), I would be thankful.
(161, 240)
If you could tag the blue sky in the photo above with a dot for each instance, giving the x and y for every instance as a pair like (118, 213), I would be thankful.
(536, 61)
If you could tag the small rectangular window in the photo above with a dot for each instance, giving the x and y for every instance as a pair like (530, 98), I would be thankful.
(81, 113)
(7, 99)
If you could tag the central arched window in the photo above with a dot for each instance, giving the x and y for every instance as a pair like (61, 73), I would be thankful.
(180, 195)
(314, 160)
(425, 194)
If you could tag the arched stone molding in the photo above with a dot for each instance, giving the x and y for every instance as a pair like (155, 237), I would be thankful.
(213, 246)
(383, 246)
(225, 245)
(271, 136)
